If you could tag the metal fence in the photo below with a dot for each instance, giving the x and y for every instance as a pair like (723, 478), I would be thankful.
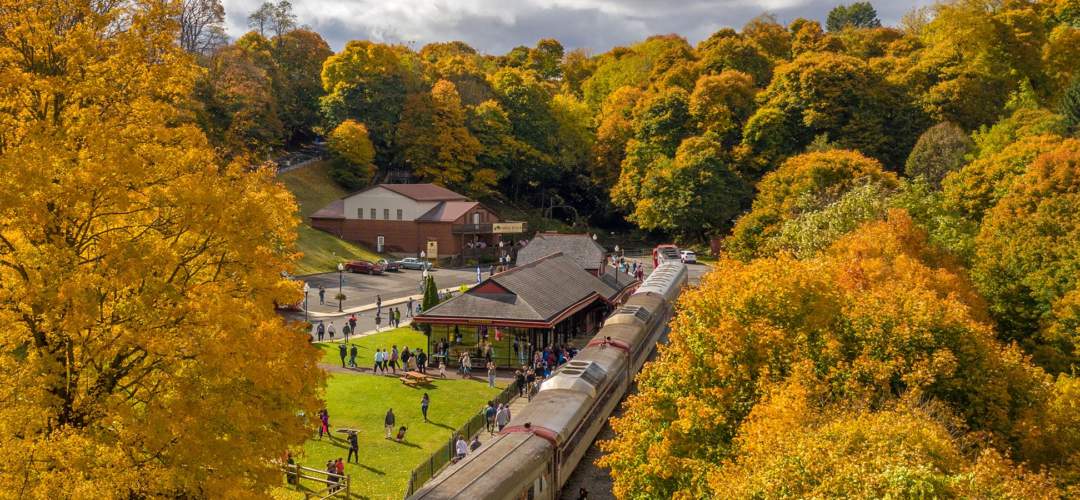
(445, 454)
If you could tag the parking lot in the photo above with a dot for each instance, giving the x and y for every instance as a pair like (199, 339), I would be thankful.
(361, 289)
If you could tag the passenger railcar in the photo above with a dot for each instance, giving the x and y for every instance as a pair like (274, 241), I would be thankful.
(542, 445)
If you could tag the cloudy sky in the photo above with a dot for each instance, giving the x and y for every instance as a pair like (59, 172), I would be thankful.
(496, 26)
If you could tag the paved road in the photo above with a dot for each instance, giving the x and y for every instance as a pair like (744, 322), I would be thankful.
(361, 289)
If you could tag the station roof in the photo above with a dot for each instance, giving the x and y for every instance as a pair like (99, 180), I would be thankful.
(539, 294)
(579, 247)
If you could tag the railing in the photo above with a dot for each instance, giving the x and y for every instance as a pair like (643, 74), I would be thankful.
(334, 484)
(445, 454)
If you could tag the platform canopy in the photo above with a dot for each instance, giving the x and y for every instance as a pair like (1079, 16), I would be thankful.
(540, 294)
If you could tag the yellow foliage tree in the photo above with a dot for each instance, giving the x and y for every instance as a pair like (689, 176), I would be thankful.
(805, 182)
(139, 350)
(354, 154)
(879, 317)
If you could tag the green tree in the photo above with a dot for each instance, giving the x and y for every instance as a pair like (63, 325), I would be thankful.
(803, 183)
(368, 82)
(826, 93)
(662, 118)
(431, 294)
(721, 104)
(353, 154)
(1026, 257)
(546, 59)
(856, 15)
(693, 196)
(1070, 105)
(939, 151)
(726, 50)
(299, 55)
(615, 128)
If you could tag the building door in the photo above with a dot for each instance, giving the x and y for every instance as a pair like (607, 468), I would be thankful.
(433, 249)
(476, 218)
(379, 241)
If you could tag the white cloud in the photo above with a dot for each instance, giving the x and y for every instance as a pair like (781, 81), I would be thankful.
(495, 26)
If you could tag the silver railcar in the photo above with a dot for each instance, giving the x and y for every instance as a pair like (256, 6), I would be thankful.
(537, 451)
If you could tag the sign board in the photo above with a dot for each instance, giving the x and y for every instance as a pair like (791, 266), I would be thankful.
(433, 249)
(508, 227)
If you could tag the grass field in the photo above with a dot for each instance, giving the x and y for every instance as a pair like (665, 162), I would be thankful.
(313, 189)
(365, 346)
(360, 401)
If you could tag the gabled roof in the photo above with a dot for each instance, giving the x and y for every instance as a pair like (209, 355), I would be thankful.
(580, 247)
(424, 192)
(447, 211)
(539, 291)
(335, 210)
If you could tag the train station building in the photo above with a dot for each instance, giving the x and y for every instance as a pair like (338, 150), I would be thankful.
(549, 301)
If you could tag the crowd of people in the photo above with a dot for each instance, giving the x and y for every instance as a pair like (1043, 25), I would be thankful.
(391, 359)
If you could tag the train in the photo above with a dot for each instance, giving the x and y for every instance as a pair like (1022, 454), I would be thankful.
(535, 454)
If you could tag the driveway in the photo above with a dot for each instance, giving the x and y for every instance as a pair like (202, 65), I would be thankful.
(361, 289)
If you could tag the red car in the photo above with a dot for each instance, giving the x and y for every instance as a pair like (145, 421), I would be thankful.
(364, 266)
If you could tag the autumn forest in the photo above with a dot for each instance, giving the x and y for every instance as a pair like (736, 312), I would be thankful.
(895, 311)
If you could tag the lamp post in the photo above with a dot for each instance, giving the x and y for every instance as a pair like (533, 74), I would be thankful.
(423, 275)
(340, 284)
(501, 243)
(307, 288)
(618, 264)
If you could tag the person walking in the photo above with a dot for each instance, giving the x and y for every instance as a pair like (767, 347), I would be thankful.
(378, 303)
(502, 416)
(519, 381)
(331, 330)
(489, 416)
(378, 361)
(378, 320)
(461, 448)
(421, 360)
(343, 352)
(339, 468)
(331, 475)
(320, 330)
(352, 322)
(408, 311)
(393, 359)
(352, 356)
(491, 373)
(530, 378)
(389, 423)
(354, 447)
(424, 403)
(322, 295)
(346, 330)
(324, 423)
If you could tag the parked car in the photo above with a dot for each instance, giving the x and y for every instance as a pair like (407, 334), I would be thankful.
(413, 263)
(364, 266)
(688, 257)
(389, 265)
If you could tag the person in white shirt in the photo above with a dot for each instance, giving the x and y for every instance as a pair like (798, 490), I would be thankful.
(461, 448)
(502, 417)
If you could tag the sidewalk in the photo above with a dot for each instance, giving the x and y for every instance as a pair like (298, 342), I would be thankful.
(372, 306)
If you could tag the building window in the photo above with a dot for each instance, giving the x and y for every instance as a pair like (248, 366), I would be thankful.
(399, 214)
(373, 214)
(386, 214)
(359, 213)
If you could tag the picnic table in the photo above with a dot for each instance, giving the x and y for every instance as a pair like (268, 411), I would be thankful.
(412, 378)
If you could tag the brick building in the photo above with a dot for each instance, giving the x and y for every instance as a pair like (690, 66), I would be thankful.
(408, 218)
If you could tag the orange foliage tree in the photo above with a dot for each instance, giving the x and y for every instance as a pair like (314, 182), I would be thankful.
(881, 316)
(140, 353)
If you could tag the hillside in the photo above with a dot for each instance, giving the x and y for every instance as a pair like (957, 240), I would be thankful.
(322, 251)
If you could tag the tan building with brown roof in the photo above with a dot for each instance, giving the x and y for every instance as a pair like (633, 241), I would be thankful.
(408, 218)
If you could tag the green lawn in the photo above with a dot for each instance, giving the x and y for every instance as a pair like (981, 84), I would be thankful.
(365, 346)
(313, 189)
(360, 401)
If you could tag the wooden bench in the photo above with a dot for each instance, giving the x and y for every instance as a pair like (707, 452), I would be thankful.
(408, 381)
